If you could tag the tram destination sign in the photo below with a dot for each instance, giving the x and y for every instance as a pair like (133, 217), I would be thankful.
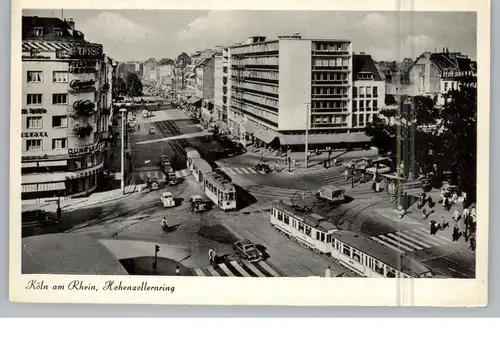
(98, 147)
(86, 51)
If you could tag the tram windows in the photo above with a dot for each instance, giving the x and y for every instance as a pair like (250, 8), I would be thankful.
(308, 231)
(323, 237)
(280, 216)
(346, 250)
(355, 255)
(368, 262)
(273, 212)
(231, 196)
(378, 267)
(301, 227)
(391, 273)
(328, 238)
(294, 223)
(337, 245)
(317, 235)
(286, 219)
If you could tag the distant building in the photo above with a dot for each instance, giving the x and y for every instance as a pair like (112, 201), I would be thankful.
(280, 86)
(435, 74)
(66, 101)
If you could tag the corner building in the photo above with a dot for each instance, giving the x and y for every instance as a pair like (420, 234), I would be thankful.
(278, 87)
(65, 108)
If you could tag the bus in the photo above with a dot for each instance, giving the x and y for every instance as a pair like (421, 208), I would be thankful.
(219, 190)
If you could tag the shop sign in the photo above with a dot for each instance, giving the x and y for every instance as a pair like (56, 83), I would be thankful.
(34, 111)
(86, 51)
(35, 134)
(453, 73)
(98, 147)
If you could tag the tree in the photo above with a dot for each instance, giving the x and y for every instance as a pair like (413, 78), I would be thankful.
(134, 85)
(119, 86)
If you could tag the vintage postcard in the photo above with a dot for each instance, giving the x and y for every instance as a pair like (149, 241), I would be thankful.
(286, 153)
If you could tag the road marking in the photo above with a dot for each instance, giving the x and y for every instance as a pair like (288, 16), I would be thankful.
(404, 241)
(402, 246)
(237, 170)
(436, 238)
(240, 269)
(199, 272)
(253, 268)
(428, 237)
(252, 170)
(402, 234)
(387, 245)
(226, 270)
(245, 171)
(268, 268)
(213, 272)
(228, 171)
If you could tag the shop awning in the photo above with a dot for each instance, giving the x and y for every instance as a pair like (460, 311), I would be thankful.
(266, 136)
(194, 100)
(324, 139)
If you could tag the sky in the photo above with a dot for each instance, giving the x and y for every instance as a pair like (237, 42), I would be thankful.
(128, 35)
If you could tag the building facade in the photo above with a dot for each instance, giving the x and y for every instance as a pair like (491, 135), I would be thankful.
(218, 87)
(435, 74)
(281, 87)
(66, 88)
(368, 92)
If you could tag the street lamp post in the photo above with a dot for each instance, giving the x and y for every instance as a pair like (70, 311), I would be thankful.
(307, 136)
(123, 112)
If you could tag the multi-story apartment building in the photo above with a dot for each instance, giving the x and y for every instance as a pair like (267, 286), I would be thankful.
(221, 83)
(218, 77)
(179, 72)
(281, 87)
(435, 74)
(368, 92)
(66, 87)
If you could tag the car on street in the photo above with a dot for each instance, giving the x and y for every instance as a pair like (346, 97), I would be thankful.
(152, 130)
(382, 169)
(247, 251)
(167, 199)
(165, 164)
(359, 163)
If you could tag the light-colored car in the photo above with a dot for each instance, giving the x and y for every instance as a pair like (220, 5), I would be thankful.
(357, 163)
(167, 199)
(382, 169)
(247, 250)
(195, 198)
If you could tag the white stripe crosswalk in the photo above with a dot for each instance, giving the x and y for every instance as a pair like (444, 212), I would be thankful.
(238, 269)
(411, 240)
(240, 171)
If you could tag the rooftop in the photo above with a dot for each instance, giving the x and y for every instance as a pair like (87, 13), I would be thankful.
(363, 63)
(65, 29)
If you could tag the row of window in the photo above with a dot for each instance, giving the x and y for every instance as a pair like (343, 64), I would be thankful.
(260, 87)
(328, 104)
(259, 74)
(329, 119)
(58, 76)
(365, 105)
(37, 144)
(38, 31)
(366, 260)
(329, 76)
(264, 47)
(230, 196)
(36, 122)
(361, 120)
(37, 99)
(364, 91)
(330, 62)
(335, 47)
(263, 60)
(329, 91)
(261, 100)
(273, 117)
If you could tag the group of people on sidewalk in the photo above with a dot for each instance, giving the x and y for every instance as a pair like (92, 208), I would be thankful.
(467, 216)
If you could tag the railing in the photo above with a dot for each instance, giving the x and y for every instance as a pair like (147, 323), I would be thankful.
(330, 82)
(330, 96)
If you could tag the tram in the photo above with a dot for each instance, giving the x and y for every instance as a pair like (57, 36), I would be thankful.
(310, 230)
(199, 167)
(191, 154)
(220, 191)
(357, 253)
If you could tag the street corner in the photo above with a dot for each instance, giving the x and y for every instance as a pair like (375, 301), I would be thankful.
(393, 215)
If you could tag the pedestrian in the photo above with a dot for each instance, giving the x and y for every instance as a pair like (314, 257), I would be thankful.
(447, 204)
(328, 272)
(442, 223)
(293, 163)
(377, 186)
(324, 164)
(277, 165)
(177, 270)
(346, 174)
(456, 215)
(58, 213)
(424, 213)
(456, 233)
(433, 228)
(472, 243)
(261, 157)
(164, 224)
(363, 178)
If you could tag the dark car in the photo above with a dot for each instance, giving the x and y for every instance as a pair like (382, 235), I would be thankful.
(263, 168)
(247, 250)
(165, 164)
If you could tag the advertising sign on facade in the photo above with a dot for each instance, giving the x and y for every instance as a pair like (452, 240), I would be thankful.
(86, 51)
(98, 147)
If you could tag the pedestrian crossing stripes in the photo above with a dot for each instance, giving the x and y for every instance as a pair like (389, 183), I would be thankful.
(159, 175)
(238, 269)
(411, 240)
(240, 171)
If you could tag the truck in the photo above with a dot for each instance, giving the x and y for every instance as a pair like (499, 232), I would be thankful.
(331, 194)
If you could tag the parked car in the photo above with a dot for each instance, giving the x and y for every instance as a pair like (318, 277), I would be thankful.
(262, 168)
(247, 250)
(382, 169)
(152, 130)
(359, 163)
(167, 199)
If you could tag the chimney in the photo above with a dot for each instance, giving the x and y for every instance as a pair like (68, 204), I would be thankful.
(71, 23)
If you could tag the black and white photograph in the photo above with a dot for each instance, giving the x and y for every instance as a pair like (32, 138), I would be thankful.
(250, 143)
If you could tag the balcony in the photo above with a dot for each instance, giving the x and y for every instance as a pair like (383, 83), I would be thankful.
(83, 108)
(330, 96)
(329, 110)
(329, 68)
(332, 52)
(83, 131)
(330, 82)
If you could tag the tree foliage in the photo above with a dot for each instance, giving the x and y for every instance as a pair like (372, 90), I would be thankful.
(422, 134)
(134, 85)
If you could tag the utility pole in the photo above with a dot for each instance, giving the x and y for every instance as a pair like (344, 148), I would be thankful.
(155, 264)
(307, 136)
(352, 178)
(123, 112)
